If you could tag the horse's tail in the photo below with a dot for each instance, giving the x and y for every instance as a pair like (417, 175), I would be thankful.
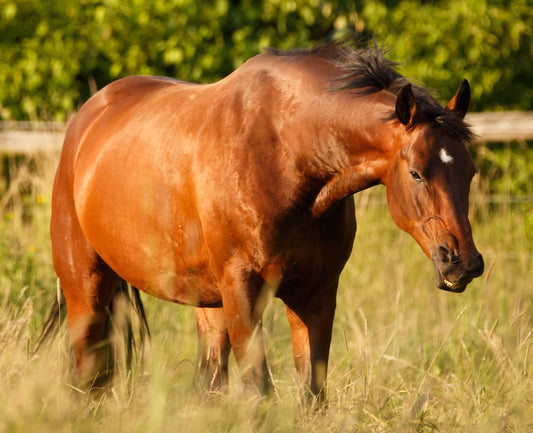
(127, 332)
(56, 317)
(126, 320)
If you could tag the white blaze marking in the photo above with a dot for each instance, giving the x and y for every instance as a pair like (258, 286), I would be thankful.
(445, 156)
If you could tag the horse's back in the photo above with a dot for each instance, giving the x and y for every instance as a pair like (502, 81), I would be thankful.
(110, 101)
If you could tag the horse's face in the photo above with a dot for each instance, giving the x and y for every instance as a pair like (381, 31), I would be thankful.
(428, 189)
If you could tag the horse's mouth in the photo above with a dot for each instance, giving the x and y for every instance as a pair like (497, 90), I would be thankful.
(455, 286)
(450, 286)
(455, 275)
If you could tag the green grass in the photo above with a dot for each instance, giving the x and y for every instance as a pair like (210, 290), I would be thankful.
(405, 357)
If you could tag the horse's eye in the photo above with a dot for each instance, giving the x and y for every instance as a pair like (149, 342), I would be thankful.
(414, 174)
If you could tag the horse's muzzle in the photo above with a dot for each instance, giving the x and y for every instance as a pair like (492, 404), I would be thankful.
(453, 271)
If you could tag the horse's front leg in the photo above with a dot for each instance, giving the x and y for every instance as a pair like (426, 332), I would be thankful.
(240, 291)
(311, 326)
(213, 350)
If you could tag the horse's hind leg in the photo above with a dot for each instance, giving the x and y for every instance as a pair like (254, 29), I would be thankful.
(213, 349)
(87, 314)
(88, 285)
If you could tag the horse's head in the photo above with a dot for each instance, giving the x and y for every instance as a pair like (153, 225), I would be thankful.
(428, 186)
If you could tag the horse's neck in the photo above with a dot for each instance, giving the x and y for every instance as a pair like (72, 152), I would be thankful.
(353, 148)
(338, 143)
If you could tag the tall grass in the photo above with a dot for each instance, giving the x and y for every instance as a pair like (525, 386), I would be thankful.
(405, 357)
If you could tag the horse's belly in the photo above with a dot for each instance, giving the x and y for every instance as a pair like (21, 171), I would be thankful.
(168, 267)
(151, 238)
(162, 264)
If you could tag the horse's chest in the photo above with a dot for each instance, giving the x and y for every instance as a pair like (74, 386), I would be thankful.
(314, 254)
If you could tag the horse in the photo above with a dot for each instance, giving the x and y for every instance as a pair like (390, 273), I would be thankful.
(220, 195)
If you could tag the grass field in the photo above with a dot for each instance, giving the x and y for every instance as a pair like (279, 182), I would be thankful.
(405, 357)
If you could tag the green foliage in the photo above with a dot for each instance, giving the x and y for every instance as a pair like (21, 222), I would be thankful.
(439, 42)
(507, 169)
(55, 54)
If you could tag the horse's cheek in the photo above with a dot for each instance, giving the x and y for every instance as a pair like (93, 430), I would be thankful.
(397, 203)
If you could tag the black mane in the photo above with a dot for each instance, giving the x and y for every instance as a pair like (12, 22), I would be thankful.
(367, 71)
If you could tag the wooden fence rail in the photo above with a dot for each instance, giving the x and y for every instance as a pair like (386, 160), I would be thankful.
(32, 137)
(502, 127)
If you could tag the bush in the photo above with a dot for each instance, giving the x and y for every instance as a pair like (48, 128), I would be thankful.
(55, 54)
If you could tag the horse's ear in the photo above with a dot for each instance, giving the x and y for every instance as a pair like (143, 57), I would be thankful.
(459, 103)
(406, 105)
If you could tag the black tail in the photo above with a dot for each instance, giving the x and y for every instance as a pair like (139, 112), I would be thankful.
(126, 318)
(56, 317)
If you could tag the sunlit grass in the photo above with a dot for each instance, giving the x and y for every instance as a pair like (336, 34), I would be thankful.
(404, 357)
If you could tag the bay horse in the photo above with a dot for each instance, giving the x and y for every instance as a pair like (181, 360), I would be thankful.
(216, 195)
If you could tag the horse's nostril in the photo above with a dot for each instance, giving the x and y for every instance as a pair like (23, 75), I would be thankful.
(447, 255)
(455, 258)
(443, 252)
